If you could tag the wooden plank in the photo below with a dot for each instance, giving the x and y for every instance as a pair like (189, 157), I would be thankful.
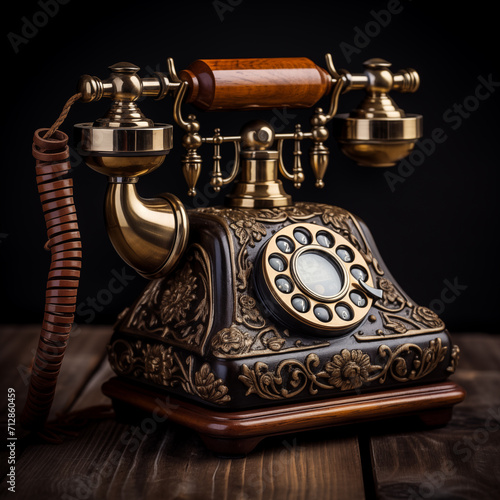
(84, 353)
(459, 461)
(115, 460)
(164, 460)
(478, 351)
(112, 460)
(16, 354)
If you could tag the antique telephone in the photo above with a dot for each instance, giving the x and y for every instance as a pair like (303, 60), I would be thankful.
(263, 316)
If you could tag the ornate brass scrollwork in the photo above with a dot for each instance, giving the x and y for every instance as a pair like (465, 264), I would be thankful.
(348, 370)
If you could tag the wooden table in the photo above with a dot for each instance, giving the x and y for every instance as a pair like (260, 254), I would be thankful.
(112, 460)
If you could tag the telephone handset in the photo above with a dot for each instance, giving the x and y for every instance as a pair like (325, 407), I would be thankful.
(262, 316)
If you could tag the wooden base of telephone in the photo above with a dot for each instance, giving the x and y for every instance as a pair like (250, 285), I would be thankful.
(237, 433)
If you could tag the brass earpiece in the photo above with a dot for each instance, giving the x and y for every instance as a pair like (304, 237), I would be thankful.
(377, 133)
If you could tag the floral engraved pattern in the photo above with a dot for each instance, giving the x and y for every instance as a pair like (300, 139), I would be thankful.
(233, 342)
(176, 307)
(250, 313)
(390, 296)
(158, 364)
(178, 296)
(424, 361)
(349, 370)
(162, 366)
(210, 388)
(428, 317)
(455, 355)
(230, 341)
(248, 231)
(339, 220)
(400, 317)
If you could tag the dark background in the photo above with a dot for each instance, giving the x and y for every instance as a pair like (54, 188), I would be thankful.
(435, 228)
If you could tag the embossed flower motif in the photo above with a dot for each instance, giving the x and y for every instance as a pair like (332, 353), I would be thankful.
(427, 316)
(272, 213)
(247, 302)
(178, 296)
(348, 370)
(250, 311)
(248, 230)
(275, 343)
(390, 295)
(210, 388)
(121, 357)
(338, 221)
(158, 363)
(229, 340)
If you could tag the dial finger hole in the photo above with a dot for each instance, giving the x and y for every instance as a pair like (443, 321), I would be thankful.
(284, 284)
(300, 303)
(323, 313)
(344, 312)
(302, 235)
(325, 239)
(359, 273)
(345, 253)
(285, 244)
(277, 262)
(358, 299)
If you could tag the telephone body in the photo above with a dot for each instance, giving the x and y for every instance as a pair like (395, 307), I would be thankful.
(262, 316)
(242, 323)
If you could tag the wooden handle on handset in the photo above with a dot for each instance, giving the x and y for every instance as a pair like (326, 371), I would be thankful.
(219, 84)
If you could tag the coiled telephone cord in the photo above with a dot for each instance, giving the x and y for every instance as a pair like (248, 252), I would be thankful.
(50, 149)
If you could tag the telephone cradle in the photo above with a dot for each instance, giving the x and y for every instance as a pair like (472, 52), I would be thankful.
(262, 316)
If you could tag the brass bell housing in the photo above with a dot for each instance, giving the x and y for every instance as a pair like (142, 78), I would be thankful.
(377, 133)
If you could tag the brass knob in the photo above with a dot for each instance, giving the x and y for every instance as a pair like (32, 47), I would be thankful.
(123, 84)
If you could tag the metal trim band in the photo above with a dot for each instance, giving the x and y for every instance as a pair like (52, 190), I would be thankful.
(126, 141)
(405, 128)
